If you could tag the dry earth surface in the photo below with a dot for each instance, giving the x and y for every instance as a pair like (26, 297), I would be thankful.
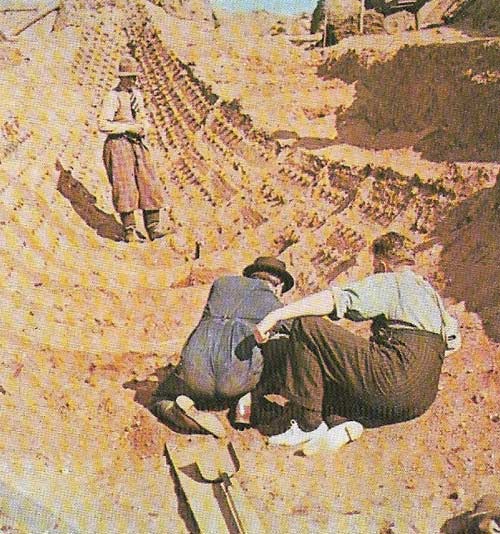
(265, 147)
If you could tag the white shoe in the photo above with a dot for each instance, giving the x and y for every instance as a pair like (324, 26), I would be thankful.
(334, 439)
(296, 436)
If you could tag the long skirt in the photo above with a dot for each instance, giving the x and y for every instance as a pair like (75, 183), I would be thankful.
(132, 177)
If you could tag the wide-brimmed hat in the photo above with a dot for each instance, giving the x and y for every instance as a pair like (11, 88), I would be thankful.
(272, 265)
(128, 67)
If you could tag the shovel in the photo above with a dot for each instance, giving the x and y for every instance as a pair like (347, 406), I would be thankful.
(220, 465)
(213, 494)
(219, 469)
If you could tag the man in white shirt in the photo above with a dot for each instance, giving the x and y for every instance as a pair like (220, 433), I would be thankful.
(390, 378)
(126, 156)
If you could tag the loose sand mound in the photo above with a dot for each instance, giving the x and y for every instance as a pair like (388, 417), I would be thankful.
(438, 98)
(480, 16)
(470, 256)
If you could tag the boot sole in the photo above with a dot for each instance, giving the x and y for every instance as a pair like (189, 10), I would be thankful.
(207, 421)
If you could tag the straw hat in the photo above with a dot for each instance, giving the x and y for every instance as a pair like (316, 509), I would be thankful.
(128, 67)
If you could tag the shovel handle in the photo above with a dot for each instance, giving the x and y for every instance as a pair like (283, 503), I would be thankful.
(225, 486)
(234, 456)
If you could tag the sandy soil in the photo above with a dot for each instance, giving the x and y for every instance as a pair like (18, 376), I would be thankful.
(305, 153)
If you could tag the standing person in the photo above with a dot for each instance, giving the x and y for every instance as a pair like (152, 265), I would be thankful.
(390, 378)
(221, 359)
(126, 156)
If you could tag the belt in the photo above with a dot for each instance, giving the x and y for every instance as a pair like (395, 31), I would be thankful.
(401, 327)
(415, 331)
(394, 323)
(129, 137)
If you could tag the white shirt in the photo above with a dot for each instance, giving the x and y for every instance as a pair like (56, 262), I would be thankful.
(116, 115)
(398, 296)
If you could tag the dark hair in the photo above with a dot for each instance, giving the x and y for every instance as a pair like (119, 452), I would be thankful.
(395, 248)
(268, 277)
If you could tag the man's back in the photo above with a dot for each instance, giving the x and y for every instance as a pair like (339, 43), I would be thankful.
(240, 297)
(221, 357)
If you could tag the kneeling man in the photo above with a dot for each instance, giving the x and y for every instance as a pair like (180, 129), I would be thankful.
(221, 359)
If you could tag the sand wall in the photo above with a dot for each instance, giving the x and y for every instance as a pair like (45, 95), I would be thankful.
(442, 99)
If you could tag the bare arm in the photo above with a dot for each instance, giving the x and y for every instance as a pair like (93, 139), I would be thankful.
(317, 304)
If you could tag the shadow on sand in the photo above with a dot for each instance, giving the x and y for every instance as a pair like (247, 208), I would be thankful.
(437, 98)
(145, 389)
(84, 204)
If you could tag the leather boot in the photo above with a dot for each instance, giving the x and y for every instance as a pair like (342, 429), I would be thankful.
(152, 224)
(133, 236)
(130, 233)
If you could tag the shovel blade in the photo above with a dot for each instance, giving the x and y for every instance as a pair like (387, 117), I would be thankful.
(221, 462)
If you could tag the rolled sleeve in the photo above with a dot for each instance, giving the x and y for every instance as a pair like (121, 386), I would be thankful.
(365, 299)
(341, 301)
(106, 122)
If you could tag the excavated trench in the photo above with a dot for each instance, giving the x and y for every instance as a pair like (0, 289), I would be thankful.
(105, 310)
(439, 98)
(211, 158)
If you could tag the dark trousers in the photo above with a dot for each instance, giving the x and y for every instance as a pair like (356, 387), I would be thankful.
(387, 380)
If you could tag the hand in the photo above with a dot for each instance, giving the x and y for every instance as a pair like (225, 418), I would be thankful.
(261, 330)
(136, 129)
(259, 336)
